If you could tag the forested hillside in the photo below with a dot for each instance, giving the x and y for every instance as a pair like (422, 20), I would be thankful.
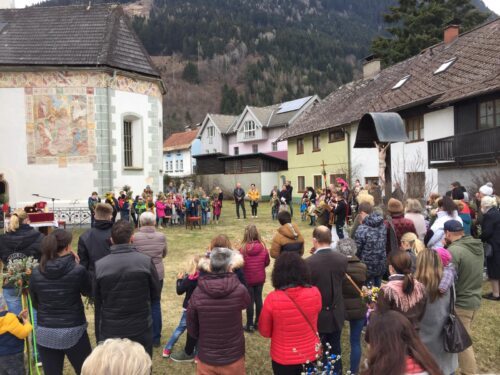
(251, 51)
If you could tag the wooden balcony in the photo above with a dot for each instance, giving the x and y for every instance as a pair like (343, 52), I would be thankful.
(482, 146)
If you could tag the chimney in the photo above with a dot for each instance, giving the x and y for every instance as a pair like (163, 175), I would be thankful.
(371, 67)
(451, 33)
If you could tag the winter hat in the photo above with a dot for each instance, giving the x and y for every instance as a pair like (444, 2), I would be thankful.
(486, 189)
(444, 255)
(453, 226)
(3, 304)
(347, 247)
(395, 206)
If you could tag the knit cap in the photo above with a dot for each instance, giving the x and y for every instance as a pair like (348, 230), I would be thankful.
(444, 255)
(486, 189)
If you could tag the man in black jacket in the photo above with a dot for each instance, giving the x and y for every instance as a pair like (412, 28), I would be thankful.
(94, 244)
(328, 268)
(239, 199)
(126, 282)
(340, 212)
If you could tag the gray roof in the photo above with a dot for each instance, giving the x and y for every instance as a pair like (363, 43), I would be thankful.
(475, 71)
(72, 36)
(223, 122)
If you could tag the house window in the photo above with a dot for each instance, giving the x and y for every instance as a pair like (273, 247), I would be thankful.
(210, 134)
(177, 165)
(255, 148)
(300, 146)
(275, 146)
(489, 114)
(181, 166)
(333, 178)
(415, 183)
(171, 166)
(169, 154)
(301, 184)
(166, 166)
(236, 150)
(316, 143)
(249, 129)
(127, 144)
(371, 180)
(336, 135)
(318, 182)
(415, 128)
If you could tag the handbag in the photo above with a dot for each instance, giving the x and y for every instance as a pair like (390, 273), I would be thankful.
(455, 338)
(319, 347)
(488, 250)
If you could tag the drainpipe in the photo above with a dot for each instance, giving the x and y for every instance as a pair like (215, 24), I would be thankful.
(110, 131)
(348, 155)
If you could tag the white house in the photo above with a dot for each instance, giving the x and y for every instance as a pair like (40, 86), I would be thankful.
(81, 105)
(178, 151)
(213, 133)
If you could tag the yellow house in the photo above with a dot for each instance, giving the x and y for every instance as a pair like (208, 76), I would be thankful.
(310, 155)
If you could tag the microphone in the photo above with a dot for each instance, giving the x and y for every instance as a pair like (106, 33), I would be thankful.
(36, 195)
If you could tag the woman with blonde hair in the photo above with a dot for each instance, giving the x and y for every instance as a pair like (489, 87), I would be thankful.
(20, 241)
(413, 212)
(412, 245)
(429, 273)
(117, 357)
(256, 258)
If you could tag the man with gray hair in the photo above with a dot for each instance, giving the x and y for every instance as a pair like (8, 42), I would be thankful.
(153, 243)
(215, 309)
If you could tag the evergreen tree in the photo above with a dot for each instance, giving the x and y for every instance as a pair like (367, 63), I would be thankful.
(417, 24)
(231, 103)
(190, 73)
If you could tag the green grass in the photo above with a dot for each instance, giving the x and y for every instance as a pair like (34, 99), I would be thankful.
(184, 243)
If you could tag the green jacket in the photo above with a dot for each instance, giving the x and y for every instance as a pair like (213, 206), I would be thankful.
(468, 258)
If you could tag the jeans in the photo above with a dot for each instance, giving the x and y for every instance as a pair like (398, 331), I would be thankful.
(274, 212)
(53, 359)
(466, 359)
(181, 327)
(242, 204)
(374, 281)
(156, 315)
(279, 369)
(204, 217)
(333, 339)
(340, 229)
(255, 298)
(92, 219)
(12, 364)
(254, 208)
(125, 215)
(356, 326)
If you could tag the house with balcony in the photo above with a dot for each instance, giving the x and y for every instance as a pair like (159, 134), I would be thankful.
(448, 96)
(178, 151)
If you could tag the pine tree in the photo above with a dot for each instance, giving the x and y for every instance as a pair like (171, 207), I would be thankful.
(417, 24)
(190, 73)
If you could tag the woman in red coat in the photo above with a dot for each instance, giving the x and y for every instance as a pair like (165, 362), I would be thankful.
(290, 314)
(256, 259)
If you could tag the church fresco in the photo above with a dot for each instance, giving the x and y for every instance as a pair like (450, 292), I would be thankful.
(60, 126)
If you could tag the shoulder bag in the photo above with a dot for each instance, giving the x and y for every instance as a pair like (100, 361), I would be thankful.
(456, 339)
(319, 347)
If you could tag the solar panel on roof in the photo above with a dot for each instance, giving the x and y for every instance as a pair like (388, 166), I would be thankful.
(293, 105)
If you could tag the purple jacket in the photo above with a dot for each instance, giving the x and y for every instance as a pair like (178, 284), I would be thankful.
(256, 259)
(154, 244)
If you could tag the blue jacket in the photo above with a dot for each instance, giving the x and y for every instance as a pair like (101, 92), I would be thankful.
(371, 238)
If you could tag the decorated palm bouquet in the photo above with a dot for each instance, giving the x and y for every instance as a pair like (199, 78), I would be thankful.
(324, 363)
(19, 271)
(370, 295)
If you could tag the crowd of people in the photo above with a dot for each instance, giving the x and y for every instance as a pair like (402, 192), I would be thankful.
(431, 263)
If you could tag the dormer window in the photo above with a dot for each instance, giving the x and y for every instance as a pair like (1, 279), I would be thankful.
(249, 129)
(444, 66)
(401, 82)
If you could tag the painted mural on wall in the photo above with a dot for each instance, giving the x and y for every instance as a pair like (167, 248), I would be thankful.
(60, 125)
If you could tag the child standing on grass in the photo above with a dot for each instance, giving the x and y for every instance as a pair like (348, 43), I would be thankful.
(303, 209)
(256, 259)
(275, 205)
(13, 331)
(311, 212)
(186, 284)
(217, 206)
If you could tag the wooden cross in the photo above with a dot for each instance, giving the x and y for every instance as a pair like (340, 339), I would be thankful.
(323, 172)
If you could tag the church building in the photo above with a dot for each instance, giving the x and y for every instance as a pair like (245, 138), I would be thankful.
(80, 103)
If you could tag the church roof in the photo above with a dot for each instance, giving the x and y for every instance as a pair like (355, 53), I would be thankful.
(440, 75)
(75, 36)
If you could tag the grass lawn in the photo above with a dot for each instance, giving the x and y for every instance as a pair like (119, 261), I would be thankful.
(183, 243)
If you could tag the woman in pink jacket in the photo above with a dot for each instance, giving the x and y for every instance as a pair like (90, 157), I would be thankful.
(256, 259)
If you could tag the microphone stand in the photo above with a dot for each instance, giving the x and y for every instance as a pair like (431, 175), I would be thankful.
(51, 198)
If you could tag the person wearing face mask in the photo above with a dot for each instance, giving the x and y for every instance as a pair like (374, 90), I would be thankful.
(467, 257)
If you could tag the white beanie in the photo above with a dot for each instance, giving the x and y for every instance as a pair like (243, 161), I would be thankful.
(486, 189)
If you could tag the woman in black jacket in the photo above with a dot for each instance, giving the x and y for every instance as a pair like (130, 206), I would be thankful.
(19, 242)
(56, 287)
(490, 234)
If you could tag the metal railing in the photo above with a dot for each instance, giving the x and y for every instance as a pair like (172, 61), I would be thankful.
(73, 215)
(481, 145)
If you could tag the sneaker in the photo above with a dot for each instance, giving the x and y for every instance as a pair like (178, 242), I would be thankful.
(166, 353)
(182, 357)
(249, 329)
(491, 297)
(156, 344)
